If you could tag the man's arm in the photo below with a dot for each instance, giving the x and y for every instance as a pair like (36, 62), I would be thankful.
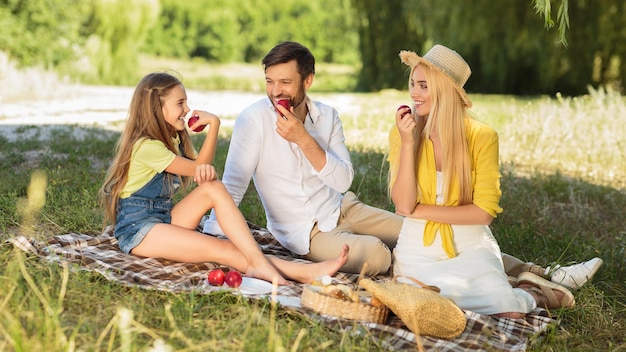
(241, 160)
(331, 159)
(242, 157)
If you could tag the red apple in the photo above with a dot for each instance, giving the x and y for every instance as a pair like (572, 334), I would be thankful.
(233, 279)
(216, 277)
(284, 103)
(404, 107)
(193, 120)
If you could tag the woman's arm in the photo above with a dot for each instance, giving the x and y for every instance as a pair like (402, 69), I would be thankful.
(483, 142)
(403, 183)
(469, 214)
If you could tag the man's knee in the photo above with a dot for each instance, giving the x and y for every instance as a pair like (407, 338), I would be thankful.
(371, 251)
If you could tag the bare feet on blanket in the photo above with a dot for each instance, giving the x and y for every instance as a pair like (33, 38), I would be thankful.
(264, 270)
(328, 267)
(302, 272)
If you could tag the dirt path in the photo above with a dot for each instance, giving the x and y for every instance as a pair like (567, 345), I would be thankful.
(100, 106)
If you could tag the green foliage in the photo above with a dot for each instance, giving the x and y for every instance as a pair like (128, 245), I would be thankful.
(511, 45)
(513, 53)
(117, 30)
(243, 31)
(544, 8)
(206, 29)
(41, 32)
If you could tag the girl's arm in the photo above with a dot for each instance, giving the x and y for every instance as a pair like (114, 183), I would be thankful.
(200, 168)
(207, 151)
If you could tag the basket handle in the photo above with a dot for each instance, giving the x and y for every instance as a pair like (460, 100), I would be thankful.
(423, 285)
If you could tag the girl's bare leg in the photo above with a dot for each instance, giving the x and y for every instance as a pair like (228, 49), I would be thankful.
(180, 242)
(183, 245)
(213, 195)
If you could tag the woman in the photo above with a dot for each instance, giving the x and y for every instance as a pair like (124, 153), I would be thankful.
(444, 178)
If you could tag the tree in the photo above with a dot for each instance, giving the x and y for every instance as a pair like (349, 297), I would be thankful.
(384, 29)
(544, 8)
(116, 32)
(509, 44)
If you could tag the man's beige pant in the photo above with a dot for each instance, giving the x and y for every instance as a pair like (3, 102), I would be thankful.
(370, 232)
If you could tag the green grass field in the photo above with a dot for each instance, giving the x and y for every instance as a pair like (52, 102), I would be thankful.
(564, 200)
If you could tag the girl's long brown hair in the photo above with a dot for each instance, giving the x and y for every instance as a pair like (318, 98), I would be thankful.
(145, 120)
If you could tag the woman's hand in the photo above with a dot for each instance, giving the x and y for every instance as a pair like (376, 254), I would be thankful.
(205, 173)
(406, 124)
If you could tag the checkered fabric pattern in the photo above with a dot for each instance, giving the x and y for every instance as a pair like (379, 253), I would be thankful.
(102, 254)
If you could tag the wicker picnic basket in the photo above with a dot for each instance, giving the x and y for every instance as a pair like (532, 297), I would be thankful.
(315, 299)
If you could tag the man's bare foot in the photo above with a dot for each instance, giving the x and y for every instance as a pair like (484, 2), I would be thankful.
(328, 267)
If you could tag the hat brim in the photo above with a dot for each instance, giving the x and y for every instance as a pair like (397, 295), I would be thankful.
(411, 59)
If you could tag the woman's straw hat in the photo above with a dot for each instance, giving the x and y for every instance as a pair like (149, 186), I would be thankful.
(446, 61)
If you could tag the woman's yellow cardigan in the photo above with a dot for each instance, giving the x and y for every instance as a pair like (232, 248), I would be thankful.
(484, 156)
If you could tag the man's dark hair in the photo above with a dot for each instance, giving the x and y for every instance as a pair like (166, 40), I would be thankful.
(287, 51)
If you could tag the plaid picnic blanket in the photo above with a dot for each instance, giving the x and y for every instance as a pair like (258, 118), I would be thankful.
(101, 254)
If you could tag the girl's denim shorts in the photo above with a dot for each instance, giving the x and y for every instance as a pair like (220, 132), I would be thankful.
(136, 216)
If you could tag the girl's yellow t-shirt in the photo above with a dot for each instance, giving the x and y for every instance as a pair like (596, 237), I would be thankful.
(149, 157)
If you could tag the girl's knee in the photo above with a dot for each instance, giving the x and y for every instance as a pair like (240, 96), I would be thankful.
(213, 187)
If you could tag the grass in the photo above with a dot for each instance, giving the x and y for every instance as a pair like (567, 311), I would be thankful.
(564, 198)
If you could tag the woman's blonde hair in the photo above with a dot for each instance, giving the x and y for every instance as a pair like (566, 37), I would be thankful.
(447, 115)
(145, 120)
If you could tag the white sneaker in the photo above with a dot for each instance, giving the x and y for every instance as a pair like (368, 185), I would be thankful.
(574, 276)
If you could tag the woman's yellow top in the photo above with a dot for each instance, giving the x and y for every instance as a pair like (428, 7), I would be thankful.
(484, 156)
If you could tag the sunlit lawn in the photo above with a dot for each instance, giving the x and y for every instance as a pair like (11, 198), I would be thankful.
(564, 185)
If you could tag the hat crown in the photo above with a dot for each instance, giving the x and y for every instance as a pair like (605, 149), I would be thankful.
(445, 61)
(450, 62)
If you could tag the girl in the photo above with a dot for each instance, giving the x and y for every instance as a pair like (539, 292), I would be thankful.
(444, 177)
(154, 157)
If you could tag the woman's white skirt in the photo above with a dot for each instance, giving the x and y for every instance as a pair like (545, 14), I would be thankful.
(475, 279)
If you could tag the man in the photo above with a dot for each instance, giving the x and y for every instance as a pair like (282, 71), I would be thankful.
(301, 169)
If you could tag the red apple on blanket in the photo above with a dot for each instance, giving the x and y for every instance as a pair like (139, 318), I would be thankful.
(233, 279)
(216, 277)
(193, 120)
(404, 107)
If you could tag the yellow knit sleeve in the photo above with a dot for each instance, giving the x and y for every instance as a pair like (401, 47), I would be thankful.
(484, 149)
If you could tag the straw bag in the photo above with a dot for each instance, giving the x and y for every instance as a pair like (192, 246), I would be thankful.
(422, 309)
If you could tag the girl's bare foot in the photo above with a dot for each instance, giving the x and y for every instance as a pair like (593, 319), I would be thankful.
(328, 267)
(266, 271)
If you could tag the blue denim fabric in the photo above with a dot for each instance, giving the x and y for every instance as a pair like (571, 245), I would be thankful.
(150, 205)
